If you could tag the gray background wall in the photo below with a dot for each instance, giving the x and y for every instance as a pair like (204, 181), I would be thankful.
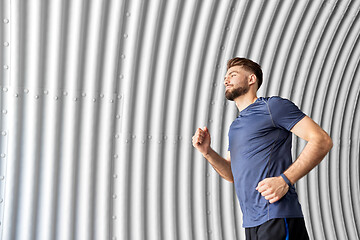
(99, 101)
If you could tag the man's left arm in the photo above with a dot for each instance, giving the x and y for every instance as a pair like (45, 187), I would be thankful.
(318, 145)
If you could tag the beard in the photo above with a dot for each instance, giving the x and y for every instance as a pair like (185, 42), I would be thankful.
(237, 92)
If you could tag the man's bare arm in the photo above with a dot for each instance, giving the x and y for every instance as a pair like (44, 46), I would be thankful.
(201, 141)
(220, 164)
(318, 145)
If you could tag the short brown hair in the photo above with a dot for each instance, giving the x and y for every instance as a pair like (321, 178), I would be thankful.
(248, 65)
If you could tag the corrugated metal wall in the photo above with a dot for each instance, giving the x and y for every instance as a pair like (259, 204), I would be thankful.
(100, 99)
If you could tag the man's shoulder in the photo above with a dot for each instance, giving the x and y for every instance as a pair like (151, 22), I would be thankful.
(277, 100)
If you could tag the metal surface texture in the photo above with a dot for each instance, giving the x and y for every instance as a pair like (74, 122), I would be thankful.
(99, 101)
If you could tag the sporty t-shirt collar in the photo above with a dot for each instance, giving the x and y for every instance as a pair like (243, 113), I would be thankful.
(249, 107)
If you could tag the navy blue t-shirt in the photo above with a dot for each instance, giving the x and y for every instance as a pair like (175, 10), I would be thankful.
(260, 147)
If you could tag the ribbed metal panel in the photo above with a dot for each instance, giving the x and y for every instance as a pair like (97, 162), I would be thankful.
(99, 101)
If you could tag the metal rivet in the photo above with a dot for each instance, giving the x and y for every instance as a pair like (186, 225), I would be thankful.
(212, 102)
(3, 155)
(2, 178)
(208, 193)
(1, 200)
(128, 14)
(222, 48)
(65, 93)
(6, 67)
(83, 94)
(149, 137)
(4, 111)
(208, 174)
(127, 140)
(16, 95)
(180, 137)
(75, 99)
(215, 84)
(5, 89)
(6, 44)
(46, 92)
(94, 99)
(114, 217)
(3, 133)
(26, 90)
(125, 35)
(114, 196)
(232, 9)
(208, 212)
(121, 76)
(102, 95)
(143, 141)
(123, 56)
(210, 120)
(115, 176)
(6, 20)
(111, 100)
(117, 136)
(56, 98)
(115, 156)
(133, 136)
(227, 28)
(36, 97)
(113, 238)
(165, 137)
(118, 116)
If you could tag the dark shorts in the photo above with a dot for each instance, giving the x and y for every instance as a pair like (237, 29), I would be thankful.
(279, 228)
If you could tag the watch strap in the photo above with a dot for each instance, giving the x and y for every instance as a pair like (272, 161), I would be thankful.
(286, 179)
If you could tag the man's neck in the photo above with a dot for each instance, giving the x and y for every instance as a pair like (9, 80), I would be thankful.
(244, 101)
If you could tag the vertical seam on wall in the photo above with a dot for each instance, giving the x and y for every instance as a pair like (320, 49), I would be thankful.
(4, 112)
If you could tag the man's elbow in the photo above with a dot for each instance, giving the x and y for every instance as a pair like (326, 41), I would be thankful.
(330, 143)
(229, 179)
(323, 142)
(326, 142)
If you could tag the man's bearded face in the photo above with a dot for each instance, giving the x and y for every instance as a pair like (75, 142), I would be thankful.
(233, 93)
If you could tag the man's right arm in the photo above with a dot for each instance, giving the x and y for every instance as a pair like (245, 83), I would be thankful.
(201, 141)
(220, 164)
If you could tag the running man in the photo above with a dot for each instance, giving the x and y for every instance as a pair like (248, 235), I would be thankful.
(259, 160)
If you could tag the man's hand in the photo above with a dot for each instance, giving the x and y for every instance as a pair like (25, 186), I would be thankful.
(201, 140)
(273, 189)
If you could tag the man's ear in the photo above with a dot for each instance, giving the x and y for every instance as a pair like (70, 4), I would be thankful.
(252, 79)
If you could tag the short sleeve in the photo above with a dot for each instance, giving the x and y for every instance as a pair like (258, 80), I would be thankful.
(284, 113)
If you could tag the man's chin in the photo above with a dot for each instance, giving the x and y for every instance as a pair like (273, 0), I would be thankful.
(229, 96)
(235, 93)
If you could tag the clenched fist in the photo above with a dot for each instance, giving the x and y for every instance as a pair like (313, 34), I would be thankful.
(201, 140)
(273, 189)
